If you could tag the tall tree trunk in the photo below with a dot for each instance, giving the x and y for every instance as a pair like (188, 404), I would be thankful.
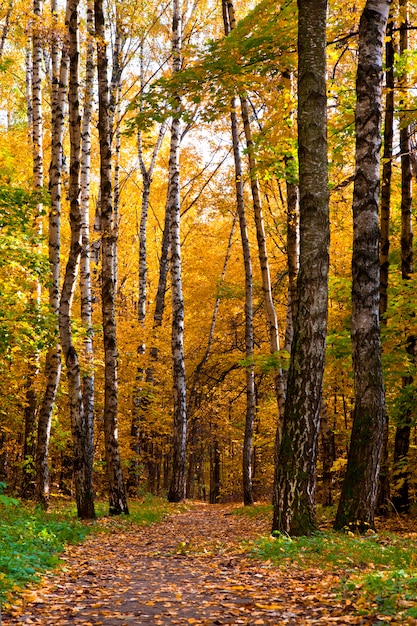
(295, 475)
(117, 493)
(85, 269)
(28, 86)
(384, 482)
(401, 499)
(229, 23)
(27, 488)
(177, 490)
(83, 462)
(359, 491)
(53, 357)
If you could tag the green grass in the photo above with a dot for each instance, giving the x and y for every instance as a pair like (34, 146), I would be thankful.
(379, 572)
(31, 540)
(257, 510)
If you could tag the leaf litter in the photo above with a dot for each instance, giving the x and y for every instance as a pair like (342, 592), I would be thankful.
(192, 568)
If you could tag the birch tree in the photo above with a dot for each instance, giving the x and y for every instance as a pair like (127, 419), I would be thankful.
(35, 115)
(117, 492)
(53, 357)
(401, 499)
(85, 270)
(385, 212)
(229, 23)
(294, 497)
(83, 461)
(359, 491)
(177, 489)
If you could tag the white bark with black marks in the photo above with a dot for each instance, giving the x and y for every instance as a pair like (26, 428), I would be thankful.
(117, 492)
(177, 489)
(53, 357)
(359, 491)
(295, 473)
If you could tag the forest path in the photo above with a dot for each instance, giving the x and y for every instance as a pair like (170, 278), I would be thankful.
(188, 569)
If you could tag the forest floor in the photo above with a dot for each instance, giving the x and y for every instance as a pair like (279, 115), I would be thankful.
(191, 568)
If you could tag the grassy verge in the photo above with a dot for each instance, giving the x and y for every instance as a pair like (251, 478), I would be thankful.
(378, 572)
(31, 540)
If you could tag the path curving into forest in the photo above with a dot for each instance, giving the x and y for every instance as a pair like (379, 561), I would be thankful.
(188, 569)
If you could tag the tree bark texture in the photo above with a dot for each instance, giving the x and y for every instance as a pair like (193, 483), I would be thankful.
(83, 462)
(401, 498)
(117, 492)
(53, 357)
(384, 496)
(295, 475)
(177, 490)
(359, 491)
(28, 487)
(85, 269)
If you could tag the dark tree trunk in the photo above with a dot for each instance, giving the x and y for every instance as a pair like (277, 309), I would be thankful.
(401, 499)
(215, 476)
(358, 498)
(328, 456)
(295, 475)
(83, 462)
(384, 481)
(53, 357)
(117, 493)
(28, 484)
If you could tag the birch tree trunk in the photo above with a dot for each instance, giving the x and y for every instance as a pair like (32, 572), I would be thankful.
(229, 24)
(117, 492)
(83, 462)
(27, 488)
(295, 475)
(53, 357)
(359, 491)
(177, 489)
(85, 270)
(28, 87)
(384, 482)
(401, 499)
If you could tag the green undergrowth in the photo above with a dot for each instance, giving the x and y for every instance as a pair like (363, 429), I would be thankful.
(378, 572)
(31, 539)
(258, 510)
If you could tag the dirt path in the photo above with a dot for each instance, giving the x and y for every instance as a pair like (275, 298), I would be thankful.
(190, 569)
